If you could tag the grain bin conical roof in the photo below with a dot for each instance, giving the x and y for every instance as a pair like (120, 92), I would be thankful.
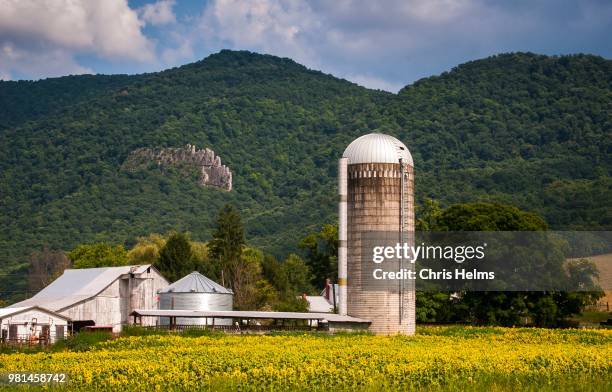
(195, 282)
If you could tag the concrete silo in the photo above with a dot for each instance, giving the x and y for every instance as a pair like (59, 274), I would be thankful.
(195, 292)
(376, 189)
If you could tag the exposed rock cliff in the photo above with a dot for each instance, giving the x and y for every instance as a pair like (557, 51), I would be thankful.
(211, 171)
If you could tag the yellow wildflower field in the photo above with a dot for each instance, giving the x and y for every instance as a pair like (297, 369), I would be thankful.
(437, 357)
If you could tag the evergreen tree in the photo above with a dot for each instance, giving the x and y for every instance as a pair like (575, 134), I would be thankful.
(322, 254)
(225, 248)
(176, 257)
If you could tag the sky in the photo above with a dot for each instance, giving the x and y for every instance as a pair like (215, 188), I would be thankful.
(378, 44)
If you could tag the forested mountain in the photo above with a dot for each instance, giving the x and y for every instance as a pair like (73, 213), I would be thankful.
(524, 129)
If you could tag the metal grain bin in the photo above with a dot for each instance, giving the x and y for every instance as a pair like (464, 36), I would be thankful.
(195, 292)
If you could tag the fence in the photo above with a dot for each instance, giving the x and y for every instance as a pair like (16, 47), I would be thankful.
(25, 340)
(234, 328)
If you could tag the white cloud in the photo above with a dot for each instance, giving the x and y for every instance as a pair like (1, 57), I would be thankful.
(47, 34)
(181, 52)
(344, 37)
(385, 44)
(37, 64)
(379, 44)
(278, 27)
(159, 13)
(374, 82)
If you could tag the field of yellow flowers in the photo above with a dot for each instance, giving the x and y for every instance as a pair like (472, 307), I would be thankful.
(436, 358)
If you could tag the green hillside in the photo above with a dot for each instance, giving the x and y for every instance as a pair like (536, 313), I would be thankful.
(530, 130)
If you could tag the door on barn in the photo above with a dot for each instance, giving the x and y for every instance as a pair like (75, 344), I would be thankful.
(45, 334)
(13, 331)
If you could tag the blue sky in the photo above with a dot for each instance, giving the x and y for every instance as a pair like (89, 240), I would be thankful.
(378, 44)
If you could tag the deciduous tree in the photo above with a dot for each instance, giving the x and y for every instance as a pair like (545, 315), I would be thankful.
(98, 255)
(45, 266)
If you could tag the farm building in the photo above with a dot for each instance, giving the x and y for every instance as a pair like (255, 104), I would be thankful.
(32, 325)
(195, 292)
(326, 301)
(100, 296)
(376, 195)
(237, 320)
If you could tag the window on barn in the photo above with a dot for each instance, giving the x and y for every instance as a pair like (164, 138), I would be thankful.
(59, 332)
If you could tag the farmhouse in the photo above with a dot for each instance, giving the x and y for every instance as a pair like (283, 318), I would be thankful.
(100, 296)
(32, 324)
(326, 301)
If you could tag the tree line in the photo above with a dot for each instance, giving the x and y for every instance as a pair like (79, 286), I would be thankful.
(262, 282)
(259, 280)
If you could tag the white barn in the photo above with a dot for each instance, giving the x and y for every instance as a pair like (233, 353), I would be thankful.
(100, 296)
(323, 303)
(32, 324)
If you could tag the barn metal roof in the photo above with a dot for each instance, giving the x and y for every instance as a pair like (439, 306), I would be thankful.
(377, 148)
(76, 285)
(4, 312)
(195, 282)
(9, 312)
(319, 304)
(247, 315)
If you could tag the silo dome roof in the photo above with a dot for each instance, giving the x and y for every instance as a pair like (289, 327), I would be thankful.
(377, 148)
(195, 282)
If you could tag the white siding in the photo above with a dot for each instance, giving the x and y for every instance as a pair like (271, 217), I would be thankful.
(30, 324)
(114, 304)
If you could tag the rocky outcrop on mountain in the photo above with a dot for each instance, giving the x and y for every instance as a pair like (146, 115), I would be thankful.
(205, 162)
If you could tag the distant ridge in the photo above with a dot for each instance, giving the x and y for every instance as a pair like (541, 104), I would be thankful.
(518, 128)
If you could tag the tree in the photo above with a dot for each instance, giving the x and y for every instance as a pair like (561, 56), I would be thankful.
(298, 274)
(146, 250)
(202, 261)
(266, 296)
(542, 308)
(244, 277)
(291, 279)
(428, 215)
(434, 307)
(274, 273)
(225, 248)
(322, 254)
(98, 255)
(292, 304)
(487, 217)
(45, 266)
(176, 258)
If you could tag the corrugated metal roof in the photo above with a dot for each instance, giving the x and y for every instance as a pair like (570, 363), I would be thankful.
(317, 304)
(195, 282)
(9, 312)
(247, 315)
(377, 148)
(76, 285)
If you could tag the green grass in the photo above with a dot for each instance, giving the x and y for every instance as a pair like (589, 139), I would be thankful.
(592, 317)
